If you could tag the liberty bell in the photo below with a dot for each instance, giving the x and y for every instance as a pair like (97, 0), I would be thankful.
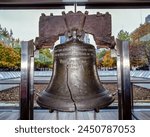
(75, 84)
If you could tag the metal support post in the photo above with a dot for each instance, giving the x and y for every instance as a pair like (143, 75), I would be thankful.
(132, 97)
(119, 79)
(124, 87)
(27, 80)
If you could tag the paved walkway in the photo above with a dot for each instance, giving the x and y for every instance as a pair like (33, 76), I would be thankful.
(143, 85)
(104, 114)
(7, 86)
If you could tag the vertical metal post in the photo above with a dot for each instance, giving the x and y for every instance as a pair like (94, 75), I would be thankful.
(26, 88)
(132, 96)
(119, 79)
(31, 79)
(124, 87)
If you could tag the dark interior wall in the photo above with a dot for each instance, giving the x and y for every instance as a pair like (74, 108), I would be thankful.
(59, 4)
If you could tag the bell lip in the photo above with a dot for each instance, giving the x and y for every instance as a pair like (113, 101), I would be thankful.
(97, 107)
(73, 108)
(69, 105)
(62, 109)
(80, 105)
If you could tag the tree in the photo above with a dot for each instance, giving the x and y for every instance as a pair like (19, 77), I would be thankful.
(146, 50)
(123, 35)
(99, 58)
(5, 33)
(136, 55)
(9, 58)
(108, 61)
(101, 54)
(140, 54)
(1, 30)
(11, 33)
(45, 59)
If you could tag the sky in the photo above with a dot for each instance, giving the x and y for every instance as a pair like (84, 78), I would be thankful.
(24, 23)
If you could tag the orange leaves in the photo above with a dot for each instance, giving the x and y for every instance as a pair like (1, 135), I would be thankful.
(9, 58)
(139, 32)
(104, 59)
(108, 61)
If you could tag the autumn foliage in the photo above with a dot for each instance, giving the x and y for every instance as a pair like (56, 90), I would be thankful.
(104, 59)
(108, 61)
(9, 58)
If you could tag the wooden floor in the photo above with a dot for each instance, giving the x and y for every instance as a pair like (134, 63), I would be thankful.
(108, 114)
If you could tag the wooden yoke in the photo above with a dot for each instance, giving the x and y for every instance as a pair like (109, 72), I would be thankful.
(51, 27)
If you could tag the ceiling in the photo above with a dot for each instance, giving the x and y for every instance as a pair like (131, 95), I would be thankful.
(4, 4)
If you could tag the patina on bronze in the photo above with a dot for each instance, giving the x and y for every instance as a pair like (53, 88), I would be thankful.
(51, 27)
(75, 85)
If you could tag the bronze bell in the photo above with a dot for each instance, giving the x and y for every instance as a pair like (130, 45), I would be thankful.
(75, 83)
